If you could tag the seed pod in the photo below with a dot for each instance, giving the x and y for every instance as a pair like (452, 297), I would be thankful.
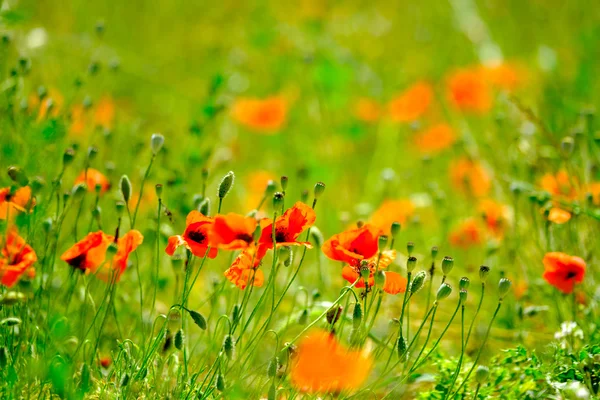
(278, 198)
(383, 239)
(220, 382)
(78, 191)
(319, 189)
(156, 142)
(229, 346)
(443, 292)
(395, 229)
(481, 374)
(464, 283)
(357, 316)
(411, 263)
(503, 287)
(125, 185)
(158, 189)
(225, 185)
(92, 153)
(284, 183)
(125, 380)
(379, 278)
(18, 175)
(447, 264)
(37, 184)
(434, 252)
(418, 282)
(410, 246)
(272, 367)
(179, 339)
(484, 270)
(462, 296)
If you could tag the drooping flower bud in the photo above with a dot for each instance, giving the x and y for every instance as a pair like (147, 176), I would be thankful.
(443, 292)
(481, 374)
(225, 185)
(319, 189)
(395, 229)
(272, 367)
(68, 156)
(447, 264)
(402, 346)
(418, 282)
(357, 315)
(156, 142)
(317, 236)
(220, 385)
(229, 346)
(503, 287)
(179, 339)
(334, 314)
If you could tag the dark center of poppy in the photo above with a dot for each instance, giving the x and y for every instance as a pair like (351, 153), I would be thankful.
(197, 236)
(245, 237)
(78, 262)
(280, 236)
(571, 275)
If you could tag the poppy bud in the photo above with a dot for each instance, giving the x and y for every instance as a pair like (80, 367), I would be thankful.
(278, 200)
(179, 339)
(5, 38)
(567, 145)
(317, 236)
(334, 314)
(462, 296)
(18, 175)
(418, 282)
(284, 183)
(120, 206)
(303, 318)
(316, 295)
(464, 283)
(286, 255)
(158, 188)
(257, 233)
(78, 191)
(235, 313)
(229, 346)
(434, 252)
(395, 229)
(98, 188)
(304, 196)
(443, 292)
(271, 188)
(481, 374)
(225, 185)
(411, 263)
(272, 367)
(319, 189)
(204, 174)
(47, 225)
(204, 207)
(12, 298)
(484, 270)
(447, 264)
(92, 153)
(220, 382)
(125, 380)
(156, 142)
(503, 287)
(357, 315)
(68, 156)
(410, 246)
(96, 211)
(37, 184)
(383, 239)
(379, 278)
(125, 185)
(402, 346)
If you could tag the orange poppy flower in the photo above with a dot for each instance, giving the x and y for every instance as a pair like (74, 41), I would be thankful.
(324, 365)
(232, 231)
(470, 177)
(559, 216)
(392, 211)
(104, 113)
(261, 115)
(495, 216)
(562, 271)
(435, 139)
(89, 254)
(367, 110)
(91, 178)
(560, 185)
(245, 269)
(16, 258)
(195, 237)
(412, 103)
(354, 245)
(288, 228)
(594, 190)
(19, 201)
(394, 282)
(468, 91)
(503, 76)
(467, 234)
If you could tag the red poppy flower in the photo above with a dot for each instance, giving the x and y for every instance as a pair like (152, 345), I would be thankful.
(563, 271)
(324, 365)
(232, 231)
(288, 228)
(14, 203)
(195, 237)
(16, 258)
(468, 90)
(89, 254)
(91, 178)
(245, 269)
